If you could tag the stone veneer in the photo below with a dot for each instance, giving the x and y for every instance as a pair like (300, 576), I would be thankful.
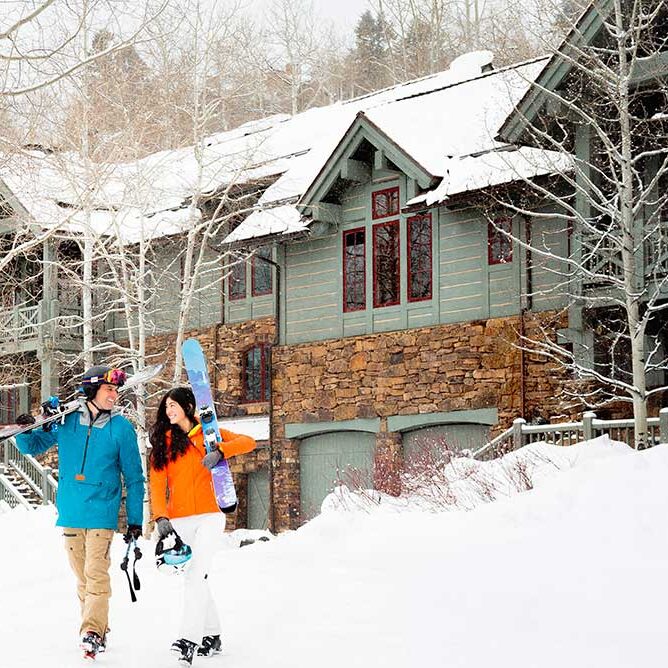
(443, 368)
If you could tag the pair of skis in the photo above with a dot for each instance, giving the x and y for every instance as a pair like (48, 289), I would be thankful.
(198, 376)
(53, 410)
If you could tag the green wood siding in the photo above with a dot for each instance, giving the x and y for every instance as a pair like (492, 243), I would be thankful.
(312, 290)
(548, 274)
(250, 307)
(462, 263)
(325, 459)
(314, 276)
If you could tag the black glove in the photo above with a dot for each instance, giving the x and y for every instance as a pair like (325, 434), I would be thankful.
(164, 527)
(212, 459)
(25, 419)
(133, 533)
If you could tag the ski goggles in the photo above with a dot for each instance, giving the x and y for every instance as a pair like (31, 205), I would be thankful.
(113, 377)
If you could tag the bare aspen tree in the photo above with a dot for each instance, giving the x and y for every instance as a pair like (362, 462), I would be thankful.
(608, 112)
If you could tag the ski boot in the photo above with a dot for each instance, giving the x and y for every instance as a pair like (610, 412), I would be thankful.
(184, 651)
(91, 644)
(210, 645)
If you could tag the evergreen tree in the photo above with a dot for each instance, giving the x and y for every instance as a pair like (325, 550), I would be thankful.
(370, 54)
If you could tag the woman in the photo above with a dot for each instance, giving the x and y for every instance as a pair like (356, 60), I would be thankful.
(183, 501)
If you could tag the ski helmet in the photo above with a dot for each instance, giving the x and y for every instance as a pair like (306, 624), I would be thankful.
(172, 555)
(97, 375)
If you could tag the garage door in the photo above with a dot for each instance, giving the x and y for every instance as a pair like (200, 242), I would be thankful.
(258, 499)
(326, 459)
(436, 439)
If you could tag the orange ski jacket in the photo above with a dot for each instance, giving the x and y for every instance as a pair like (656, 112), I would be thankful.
(185, 487)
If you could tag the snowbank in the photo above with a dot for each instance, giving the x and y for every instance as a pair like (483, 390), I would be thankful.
(570, 573)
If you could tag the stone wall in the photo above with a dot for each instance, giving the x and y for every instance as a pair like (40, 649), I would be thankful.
(436, 369)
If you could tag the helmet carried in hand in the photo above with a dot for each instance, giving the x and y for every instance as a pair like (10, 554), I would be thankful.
(172, 555)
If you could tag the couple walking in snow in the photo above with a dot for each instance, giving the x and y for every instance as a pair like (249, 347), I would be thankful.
(97, 447)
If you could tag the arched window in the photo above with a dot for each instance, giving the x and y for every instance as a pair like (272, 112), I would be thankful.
(256, 374)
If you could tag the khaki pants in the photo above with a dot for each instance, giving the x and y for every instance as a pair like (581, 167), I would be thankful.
(88, 552)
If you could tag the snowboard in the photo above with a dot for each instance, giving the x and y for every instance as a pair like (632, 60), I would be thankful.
(53, 410)
(198, 376)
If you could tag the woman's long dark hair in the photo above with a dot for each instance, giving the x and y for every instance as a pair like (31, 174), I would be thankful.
(161, 454)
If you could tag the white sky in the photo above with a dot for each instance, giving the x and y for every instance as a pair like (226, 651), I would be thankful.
(344, 13)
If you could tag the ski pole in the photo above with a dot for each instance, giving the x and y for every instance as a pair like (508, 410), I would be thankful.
(125, 568)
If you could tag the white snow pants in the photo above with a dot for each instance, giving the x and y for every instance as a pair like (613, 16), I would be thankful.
(204, 534)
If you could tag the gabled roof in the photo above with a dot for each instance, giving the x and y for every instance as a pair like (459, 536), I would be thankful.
(582, 34)
(424, 133)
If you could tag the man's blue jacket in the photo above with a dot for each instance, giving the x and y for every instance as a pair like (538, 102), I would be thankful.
(91, 460)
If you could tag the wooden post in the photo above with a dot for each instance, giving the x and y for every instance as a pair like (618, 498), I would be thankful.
(518, 436)
(663, 425)
(588, 425)
(46, 472)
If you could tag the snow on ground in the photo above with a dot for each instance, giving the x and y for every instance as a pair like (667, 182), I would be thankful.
(572, 573)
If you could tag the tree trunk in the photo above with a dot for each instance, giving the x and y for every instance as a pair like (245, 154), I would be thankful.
(635, 323)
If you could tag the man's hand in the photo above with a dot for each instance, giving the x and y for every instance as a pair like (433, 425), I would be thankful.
(25, 419)
(133, 533)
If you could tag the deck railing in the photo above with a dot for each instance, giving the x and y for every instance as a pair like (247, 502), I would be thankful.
(569, 433)
(10, 495)
(19, 324)
(39, 478)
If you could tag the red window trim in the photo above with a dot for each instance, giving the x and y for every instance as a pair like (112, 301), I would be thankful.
(345, 282)
(233, 297)
(408, 258)
(254, 293)
(492, 233)
(264, 349)
(398, 275)
(374, 196)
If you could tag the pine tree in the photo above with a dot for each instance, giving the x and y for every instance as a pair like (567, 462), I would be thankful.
(370, 54)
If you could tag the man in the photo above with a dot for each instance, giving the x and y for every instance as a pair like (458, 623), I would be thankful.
(96, 445)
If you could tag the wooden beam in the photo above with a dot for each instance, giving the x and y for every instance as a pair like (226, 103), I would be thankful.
(355, 171)
(379, 160)
(327, 213)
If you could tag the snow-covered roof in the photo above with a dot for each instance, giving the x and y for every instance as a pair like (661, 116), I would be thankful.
(440, 123)
(454, 121)
(473, 172)
(435, 119)
(284, 219)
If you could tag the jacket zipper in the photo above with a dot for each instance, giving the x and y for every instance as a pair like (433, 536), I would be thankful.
(81, 476)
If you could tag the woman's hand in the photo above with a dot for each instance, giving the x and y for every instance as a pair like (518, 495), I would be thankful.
(212, 460)
(164, 527)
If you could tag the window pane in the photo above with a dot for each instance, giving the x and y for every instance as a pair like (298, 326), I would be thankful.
(266, 373)
(500, 246)
(354, 270)
(386, 264)
(262, 272)
(419, 257)
(385, 203)
(253, 374)
(237, 281)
